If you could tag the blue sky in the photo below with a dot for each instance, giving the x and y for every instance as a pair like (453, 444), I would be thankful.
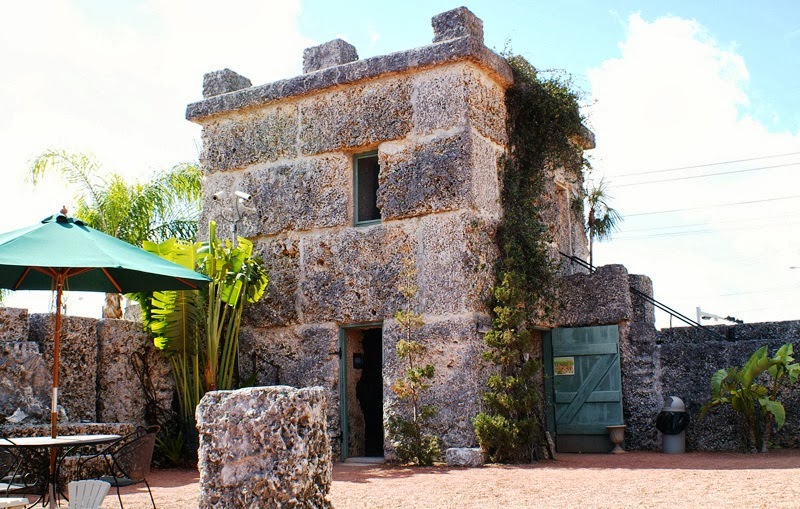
(667, 85)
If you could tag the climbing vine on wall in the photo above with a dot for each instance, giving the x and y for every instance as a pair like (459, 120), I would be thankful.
(544, 123)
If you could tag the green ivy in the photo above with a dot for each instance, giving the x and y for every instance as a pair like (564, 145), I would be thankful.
(544, 125)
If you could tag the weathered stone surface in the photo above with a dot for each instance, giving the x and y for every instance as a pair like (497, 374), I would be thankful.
(464, 457)
(125, 351)
(426, 178)
(457, 268)
(13, 324)
(456, 96)
(602, 298)
(299, 356)
(455, 23)
(25, 381)
(350, 276)
(222, 82)
(243, 140)
(357, 116)
(313, 193)
(433, 175)
(454, 348)
(641, 385)
(281, 257)
(264, 447)
(78, 366)
(643, 310)
(467, 48)
(328, 54)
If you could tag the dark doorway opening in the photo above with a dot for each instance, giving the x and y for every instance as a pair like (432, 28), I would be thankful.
(369, 391)
(363, 401)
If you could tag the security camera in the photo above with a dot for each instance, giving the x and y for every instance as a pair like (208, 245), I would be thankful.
(218, 195)
(244, 196)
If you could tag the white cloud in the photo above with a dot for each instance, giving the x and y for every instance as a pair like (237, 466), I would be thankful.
(91, 79)
(676, 97)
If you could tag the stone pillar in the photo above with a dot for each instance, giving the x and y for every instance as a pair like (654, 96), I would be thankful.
(329, 54)
(78, 362)
(121, 396)
(264, 447)
(223, 82)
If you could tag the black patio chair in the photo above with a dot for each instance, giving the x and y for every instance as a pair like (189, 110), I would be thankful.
(127, 460)
(23, 471)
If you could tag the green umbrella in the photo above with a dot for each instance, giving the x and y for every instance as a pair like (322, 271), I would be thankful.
(61, 253)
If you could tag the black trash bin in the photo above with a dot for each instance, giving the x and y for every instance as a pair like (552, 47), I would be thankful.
(671, 422)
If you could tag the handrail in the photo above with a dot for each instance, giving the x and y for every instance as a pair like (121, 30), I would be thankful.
(663, 307)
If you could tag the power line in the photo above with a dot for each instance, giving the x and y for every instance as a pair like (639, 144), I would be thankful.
(703, 232)
(689, 225)
(761, 168)
(712, 206)
(703, 165)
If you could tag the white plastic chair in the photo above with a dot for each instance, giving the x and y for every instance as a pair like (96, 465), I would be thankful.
(14, 503)
(88, 494)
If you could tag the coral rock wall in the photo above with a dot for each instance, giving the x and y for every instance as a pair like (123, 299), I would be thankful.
(97, 382)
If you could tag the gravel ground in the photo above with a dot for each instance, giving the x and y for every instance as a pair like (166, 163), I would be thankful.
(586, 481)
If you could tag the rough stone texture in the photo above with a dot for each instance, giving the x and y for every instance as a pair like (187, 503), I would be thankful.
(456, 275)
(466, 48)
(299, 356)
(78, 366)
(601, 298)
(689, 356)
(455, 23)
(120, 393)
(426, 178)
(222, 82)
(350, 276)
(454, 348)
(281, 257)
(356, 116)
(315, 193)
(328, 54)
(464, 457)
(249, 139)
(13, 324)
(26, 381)
(459, 95)
(264, 447)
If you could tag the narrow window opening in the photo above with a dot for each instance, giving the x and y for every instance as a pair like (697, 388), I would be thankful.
(366, 189)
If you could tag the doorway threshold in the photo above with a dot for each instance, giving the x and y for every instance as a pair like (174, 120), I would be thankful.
(365, 460)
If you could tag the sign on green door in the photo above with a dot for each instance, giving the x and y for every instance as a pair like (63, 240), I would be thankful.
(584, 387)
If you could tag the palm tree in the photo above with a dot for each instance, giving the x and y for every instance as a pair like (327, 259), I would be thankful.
(167, 205)
(603, 220)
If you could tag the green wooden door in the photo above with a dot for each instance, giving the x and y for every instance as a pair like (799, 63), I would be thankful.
(585, 387)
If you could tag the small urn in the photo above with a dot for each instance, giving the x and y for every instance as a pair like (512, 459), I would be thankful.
(617, 435)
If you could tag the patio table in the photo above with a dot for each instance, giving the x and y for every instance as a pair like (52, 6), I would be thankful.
(61, 446)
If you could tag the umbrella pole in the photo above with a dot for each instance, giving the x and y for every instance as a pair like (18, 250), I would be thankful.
(54, 406)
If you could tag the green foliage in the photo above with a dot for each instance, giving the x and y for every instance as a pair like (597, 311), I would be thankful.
(756, 404)
(238, 278)
(510, 430)
(407, 430)
(602, 220)
(199, 330)
(544, 124)
(166, 205)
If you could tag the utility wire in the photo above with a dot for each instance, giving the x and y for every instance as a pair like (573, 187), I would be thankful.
(703, 232)
(624, 230)
(712, 206)
(703, 165)
(761, 168)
